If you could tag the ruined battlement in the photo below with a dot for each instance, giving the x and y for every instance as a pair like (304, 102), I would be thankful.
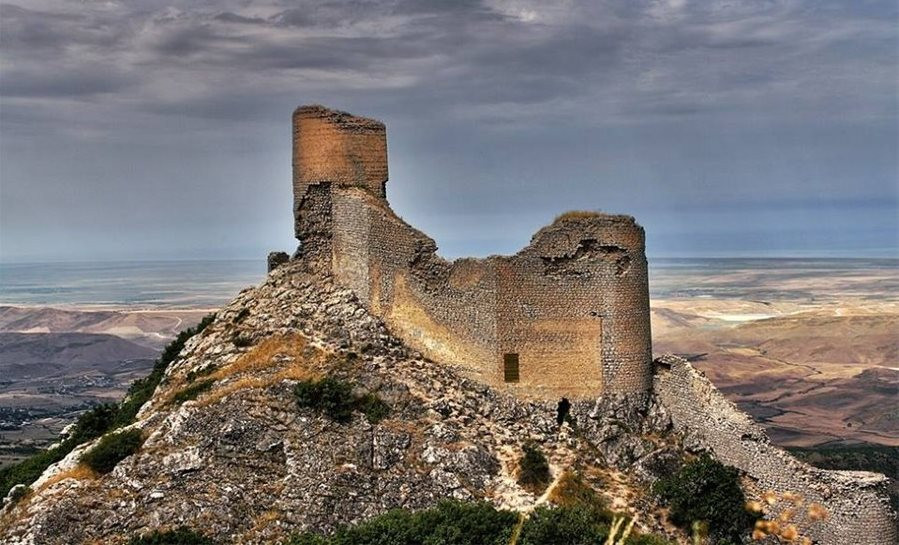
(336, 147)
(568, 315)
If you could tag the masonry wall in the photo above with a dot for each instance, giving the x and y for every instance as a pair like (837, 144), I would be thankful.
(573, 305)
(857, 501)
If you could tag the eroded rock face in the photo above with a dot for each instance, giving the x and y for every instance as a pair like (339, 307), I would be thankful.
(245, 464)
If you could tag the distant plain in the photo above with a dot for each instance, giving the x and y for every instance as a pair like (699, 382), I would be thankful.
(807, 346)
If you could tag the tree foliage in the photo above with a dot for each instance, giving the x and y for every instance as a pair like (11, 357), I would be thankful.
(706, 490)
(335, 399)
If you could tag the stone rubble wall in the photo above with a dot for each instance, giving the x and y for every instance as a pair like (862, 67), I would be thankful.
(857, 502)
(573, 304)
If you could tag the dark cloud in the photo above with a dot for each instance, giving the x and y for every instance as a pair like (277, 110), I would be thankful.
(629, 105)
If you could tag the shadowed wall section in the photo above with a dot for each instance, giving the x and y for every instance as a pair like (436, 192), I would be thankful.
(569, 312)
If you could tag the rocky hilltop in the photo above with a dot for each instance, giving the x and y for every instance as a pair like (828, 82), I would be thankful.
(243, 463)
(228, 450)
(368, 373)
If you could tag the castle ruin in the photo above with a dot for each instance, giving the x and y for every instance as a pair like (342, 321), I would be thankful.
(568, 315)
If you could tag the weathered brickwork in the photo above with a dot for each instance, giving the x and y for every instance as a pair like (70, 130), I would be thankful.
(859, 511)
(573, 306)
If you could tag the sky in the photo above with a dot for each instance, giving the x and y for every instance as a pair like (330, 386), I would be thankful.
(149, 129)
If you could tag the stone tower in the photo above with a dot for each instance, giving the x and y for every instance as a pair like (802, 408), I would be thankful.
(567, 315)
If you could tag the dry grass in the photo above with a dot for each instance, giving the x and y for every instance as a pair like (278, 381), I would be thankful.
(577, 215)
(291, 352)
(265, 519)
(571, 490)
(265, 355)
(80, 473)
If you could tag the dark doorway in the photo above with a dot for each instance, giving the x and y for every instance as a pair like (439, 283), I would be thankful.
(562, 410)
(510, 368)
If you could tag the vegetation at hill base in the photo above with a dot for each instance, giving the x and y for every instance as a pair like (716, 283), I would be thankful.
(586, 521)
(336, 399)
(179, 536)
(101, 419)
(706, 491)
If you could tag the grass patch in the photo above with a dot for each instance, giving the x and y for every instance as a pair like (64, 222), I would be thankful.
(79, 473)
(577, 215)
(191, 392)
(572, 490)
(533, 470)
(179, 536)
(112, 449)
(265, 355)
(335, 399)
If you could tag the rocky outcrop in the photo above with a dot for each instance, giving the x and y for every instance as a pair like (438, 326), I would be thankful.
(244, 463)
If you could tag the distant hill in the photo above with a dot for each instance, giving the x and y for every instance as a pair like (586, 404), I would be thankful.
(34, 355)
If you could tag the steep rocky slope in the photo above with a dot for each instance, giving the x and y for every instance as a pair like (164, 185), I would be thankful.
(246, 465)
(228, 450)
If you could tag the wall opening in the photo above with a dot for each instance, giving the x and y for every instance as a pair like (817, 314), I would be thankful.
(510, 368)
(563, 411)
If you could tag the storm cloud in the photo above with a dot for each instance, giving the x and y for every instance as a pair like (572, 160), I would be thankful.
(146, 129)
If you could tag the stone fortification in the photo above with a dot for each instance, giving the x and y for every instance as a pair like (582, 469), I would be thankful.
(857, 501)
(567, 315)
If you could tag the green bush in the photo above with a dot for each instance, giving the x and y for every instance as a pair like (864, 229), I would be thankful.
(181, 536)
(112, 449)
(192, 391)
(707, 490)
(335, 399)
(470, 523)
(533, 469)
(576, 525)
(373, 407)
(90, 425)
(449, 523)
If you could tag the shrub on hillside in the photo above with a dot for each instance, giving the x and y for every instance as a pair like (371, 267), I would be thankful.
(572, 490)
(112, 449)
(706, 490)
(533, 469)
(576, 525)
(335, 399)
(449, 523)
(468, 523)
(192, 391)
(180, 536)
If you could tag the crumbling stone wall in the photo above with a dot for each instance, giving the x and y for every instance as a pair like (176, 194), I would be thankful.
(573, 305)
(857, 501)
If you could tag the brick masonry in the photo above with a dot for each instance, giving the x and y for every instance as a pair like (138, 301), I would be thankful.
(573, 305)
